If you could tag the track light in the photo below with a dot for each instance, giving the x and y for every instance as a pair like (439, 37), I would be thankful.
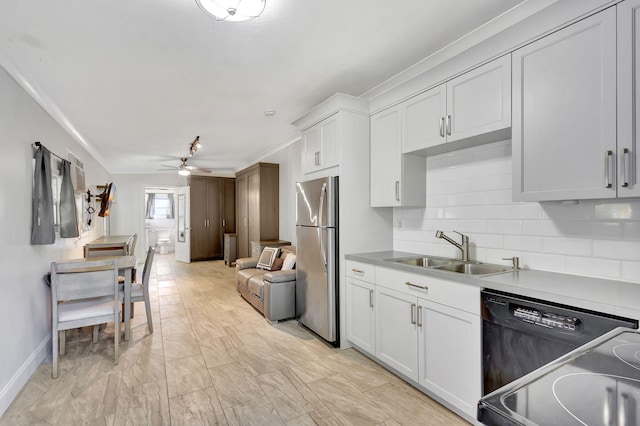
(195, 145)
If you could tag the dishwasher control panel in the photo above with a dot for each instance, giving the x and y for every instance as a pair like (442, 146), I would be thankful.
(545, 319)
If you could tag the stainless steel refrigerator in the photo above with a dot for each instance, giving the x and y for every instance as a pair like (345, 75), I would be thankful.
(317, 256)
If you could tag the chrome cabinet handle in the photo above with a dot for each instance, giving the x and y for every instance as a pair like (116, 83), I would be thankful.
(371, 298)
(419, 316)
(398, 191)
(608, 167)
(413, 313)
(449, 125)
(224, 223)
(410, 284)
(626, 166)
(317, 158)
(358, 271)
(442, 127)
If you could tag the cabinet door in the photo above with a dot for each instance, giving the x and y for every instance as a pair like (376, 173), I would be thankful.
(564, 113)
(628, 99)
(242, 225)
(229, 207)
(385, 158)
(214, 219)
(361, 314)
(329, 142)
(253, 206)
(450, 356)
(396, 331)
(321, 145)
(423, 120)
(479, 101)
(198, 212)
(311, 146)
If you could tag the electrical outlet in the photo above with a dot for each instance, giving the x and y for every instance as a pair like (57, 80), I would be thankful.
(399, 224)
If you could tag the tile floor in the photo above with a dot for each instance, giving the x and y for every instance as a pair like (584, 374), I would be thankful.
(213, 359)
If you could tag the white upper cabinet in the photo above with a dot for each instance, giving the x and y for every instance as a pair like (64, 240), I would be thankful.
(628, 99)
(564, 113)
(424, 119)
(479, 102)
(476, 103)
(320, 145)
(396, 179)
(330, 131)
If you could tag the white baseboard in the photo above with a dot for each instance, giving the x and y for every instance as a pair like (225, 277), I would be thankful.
(17, 382)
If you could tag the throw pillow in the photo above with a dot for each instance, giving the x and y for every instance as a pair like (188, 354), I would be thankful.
(277, 264)
(267, 257)
(289, 262)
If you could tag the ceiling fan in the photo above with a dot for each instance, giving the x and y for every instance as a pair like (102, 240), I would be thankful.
(185, 169)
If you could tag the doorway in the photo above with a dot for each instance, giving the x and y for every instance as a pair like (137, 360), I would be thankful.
(160, 218)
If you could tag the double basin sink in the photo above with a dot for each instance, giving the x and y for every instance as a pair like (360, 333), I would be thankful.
(452, 265)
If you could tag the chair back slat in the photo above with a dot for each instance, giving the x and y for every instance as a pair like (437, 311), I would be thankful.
(146, 271)
(82, 280)
(132, 247)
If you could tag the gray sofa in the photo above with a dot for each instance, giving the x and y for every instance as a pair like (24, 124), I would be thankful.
(273, 293)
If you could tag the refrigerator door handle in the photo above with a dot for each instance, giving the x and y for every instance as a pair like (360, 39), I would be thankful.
(323, 195)
(322, 231)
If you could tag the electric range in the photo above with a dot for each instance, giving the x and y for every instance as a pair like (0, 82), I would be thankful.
(596, 384)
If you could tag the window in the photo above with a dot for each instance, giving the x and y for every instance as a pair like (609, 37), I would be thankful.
(159, 206)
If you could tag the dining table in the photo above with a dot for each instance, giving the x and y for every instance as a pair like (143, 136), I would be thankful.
(126, 268)
(107, 242)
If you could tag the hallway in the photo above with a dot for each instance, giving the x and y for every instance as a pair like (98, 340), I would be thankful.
(213, 359)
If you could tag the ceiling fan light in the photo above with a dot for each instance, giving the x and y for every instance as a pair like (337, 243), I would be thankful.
(232, 10)
(184, 172)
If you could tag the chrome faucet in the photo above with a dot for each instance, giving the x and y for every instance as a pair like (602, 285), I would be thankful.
(463, 247)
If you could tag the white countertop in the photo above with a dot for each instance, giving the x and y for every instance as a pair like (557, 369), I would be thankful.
(608, 296)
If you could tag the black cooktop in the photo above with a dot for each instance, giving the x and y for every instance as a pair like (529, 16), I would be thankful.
(597, 384)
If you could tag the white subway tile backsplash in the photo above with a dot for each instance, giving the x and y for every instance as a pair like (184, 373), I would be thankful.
(547, 262)
(567, 246)
(523, 242)
(622, 250)
(470, 191)
(631, 271)
(593, 267)
(630, 231)
(558, 211)
(607, 210)
(506, 227)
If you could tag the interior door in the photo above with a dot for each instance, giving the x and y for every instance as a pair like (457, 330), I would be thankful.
(183, 231)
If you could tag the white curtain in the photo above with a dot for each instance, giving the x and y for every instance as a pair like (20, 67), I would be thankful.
(151, 206)
(172, 207)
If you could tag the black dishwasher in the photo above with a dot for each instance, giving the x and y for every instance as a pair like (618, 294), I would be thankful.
(521, 334)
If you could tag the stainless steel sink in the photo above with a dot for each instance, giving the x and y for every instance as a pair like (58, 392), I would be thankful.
(425, 262)
(471, 268)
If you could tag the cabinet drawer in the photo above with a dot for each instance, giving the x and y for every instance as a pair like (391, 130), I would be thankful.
(450, 293)
(360, 270)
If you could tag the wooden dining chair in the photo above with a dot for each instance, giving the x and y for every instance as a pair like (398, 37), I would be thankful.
(132, 246)
(82, 294)
(140, 289)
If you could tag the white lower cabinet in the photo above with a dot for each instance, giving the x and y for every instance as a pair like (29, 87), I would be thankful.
(427, 329)
(361, 314)
(449, 354)
(396, 328)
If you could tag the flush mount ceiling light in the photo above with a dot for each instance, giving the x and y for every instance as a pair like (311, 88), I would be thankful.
(232, 10)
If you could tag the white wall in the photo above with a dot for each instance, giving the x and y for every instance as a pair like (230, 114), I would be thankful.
(290, 160)
(470, 191)
(127, 213)
(25, 304)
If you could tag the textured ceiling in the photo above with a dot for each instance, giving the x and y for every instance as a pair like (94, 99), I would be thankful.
(136, 81)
